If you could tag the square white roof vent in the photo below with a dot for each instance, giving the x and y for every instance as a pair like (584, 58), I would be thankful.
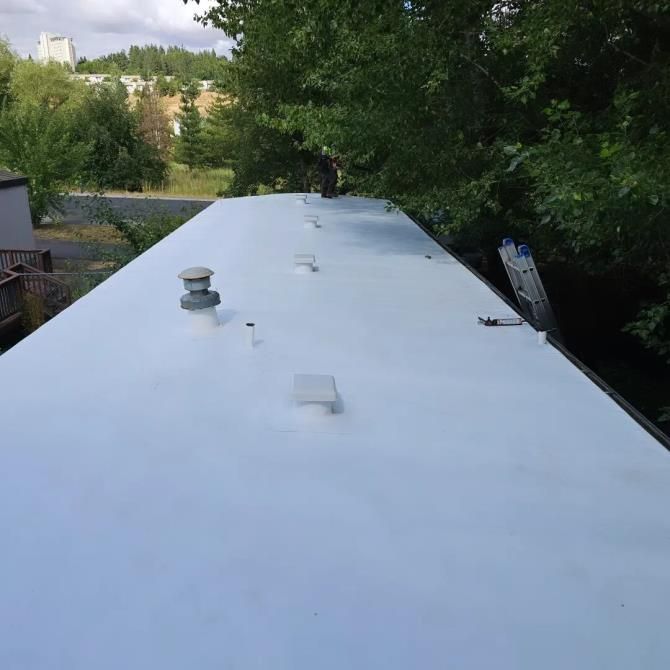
(304, 262)
(314, 388)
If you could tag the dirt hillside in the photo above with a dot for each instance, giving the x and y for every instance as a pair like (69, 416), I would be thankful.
(204, 102)
(172, 102)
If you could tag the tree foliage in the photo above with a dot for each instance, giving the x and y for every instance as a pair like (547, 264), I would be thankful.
(47, 85)
(188, 146)
(218, 135)
(164, 86)
(154, 124)
(547, 120)
(153, 60)
(118, 157)
(38, 142)
(61, 133)
(141, 230)
(7, 62)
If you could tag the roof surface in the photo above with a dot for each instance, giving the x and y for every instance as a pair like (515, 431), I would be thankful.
(475, 501)
(8, 179)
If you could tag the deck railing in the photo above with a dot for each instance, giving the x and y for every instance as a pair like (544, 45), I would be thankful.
(22, 278)
(11, 297)
(55, 294)
(37, 258)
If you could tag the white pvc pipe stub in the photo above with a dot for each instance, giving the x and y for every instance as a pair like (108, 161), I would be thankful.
(542, 337)
(203, 320)
(251, 334)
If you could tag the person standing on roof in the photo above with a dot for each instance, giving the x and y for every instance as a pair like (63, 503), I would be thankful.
(332, 177)
(324, 172)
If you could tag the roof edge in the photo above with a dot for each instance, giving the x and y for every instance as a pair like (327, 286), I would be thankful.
(10, 179)
(633, 412)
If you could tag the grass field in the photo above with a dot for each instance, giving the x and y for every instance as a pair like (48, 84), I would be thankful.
(200, 182)
(84, 233)
(197, 183)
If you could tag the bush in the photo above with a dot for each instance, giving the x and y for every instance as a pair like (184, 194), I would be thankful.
(117, 158)
(141, 231)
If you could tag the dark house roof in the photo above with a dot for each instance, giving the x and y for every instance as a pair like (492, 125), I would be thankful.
(9, 179)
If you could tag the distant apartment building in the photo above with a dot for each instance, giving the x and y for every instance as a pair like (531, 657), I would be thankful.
(56, 48)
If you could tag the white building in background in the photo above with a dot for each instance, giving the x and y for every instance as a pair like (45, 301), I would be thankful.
(56, 48)
(91, 79)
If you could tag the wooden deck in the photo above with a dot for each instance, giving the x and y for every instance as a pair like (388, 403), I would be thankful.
(27, 272)
(37, 258)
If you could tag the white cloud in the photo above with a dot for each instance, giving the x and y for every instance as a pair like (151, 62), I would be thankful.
(102, 26)
(21, 7)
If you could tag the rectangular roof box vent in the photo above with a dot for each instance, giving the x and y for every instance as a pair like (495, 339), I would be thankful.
(315, 393)
(304, 263)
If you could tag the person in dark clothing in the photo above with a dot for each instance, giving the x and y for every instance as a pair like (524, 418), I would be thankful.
(324, 173)
(332, 177)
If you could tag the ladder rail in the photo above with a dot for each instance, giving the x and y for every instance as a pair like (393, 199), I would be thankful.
(507, 253)
(537, 298)
(527, 285)
(538, 286)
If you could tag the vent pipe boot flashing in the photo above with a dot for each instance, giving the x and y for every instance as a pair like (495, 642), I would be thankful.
(200, 302)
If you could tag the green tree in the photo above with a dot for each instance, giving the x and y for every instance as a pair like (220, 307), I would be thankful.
(166, 87)
(8, 60)
(218, 139)
(39, 143)
(48, 85)
(188, 145)
(118, 157)
(37, 128)
(155, 60)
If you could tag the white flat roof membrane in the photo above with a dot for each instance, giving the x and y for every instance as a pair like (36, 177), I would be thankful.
(474, 501)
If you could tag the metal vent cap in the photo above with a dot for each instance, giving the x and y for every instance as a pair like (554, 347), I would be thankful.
(195, 273)
(197, 282)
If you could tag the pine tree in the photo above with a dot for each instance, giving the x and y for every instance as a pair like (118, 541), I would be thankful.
(217, 133)
(188, 147)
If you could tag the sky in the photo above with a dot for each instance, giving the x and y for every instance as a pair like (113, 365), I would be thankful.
(102, 26)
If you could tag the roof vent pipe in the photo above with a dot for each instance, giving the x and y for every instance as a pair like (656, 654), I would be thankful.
(200, 302)
(311, 221)
(251, 335)
(301, 200)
